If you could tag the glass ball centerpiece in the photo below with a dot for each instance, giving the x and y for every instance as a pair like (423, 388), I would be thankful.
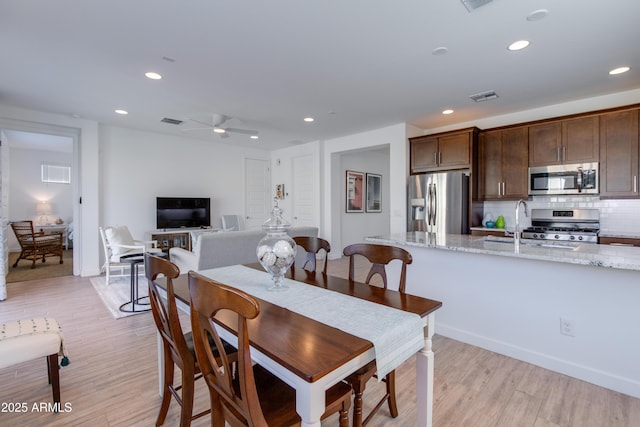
(276, 251)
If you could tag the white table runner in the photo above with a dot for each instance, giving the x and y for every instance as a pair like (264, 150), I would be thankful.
(396, 335)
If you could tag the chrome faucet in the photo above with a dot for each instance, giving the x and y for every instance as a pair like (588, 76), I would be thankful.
(516, 234)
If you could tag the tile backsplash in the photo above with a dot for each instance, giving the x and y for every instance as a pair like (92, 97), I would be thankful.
(619, 215)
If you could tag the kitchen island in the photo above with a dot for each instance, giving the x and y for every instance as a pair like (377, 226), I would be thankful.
(571, 308)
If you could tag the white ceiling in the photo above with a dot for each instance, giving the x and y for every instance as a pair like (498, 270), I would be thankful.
(354, 65)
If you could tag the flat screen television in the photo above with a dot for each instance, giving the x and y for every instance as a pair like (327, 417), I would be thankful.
(182, 212)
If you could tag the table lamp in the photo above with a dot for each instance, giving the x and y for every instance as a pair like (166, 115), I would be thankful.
(44, 210)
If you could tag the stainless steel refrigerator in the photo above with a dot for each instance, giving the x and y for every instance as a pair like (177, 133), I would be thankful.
(438, 203)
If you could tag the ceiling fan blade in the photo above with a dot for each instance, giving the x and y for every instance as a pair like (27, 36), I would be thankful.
(190, 129)
(243, 131)
(201, 122)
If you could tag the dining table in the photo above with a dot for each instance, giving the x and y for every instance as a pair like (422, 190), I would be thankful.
(309, 354)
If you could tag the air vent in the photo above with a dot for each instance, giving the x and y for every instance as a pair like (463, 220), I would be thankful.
(171, 121)
(471, 5)
(484, 96)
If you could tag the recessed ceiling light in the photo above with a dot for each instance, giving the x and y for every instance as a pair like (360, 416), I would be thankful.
(439, 51)
(123, 112)
(447, 112)
(619, 70)
(520, 44)
(537, 15)
(254, 137)
(153, 76)
(308, 119)
(219, 130)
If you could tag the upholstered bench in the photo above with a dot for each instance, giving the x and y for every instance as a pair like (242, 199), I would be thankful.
(29, 339)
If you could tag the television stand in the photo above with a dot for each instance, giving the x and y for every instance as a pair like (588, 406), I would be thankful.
(168, 238)
(171, 238)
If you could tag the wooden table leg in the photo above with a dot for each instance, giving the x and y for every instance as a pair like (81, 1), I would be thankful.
(424, 377)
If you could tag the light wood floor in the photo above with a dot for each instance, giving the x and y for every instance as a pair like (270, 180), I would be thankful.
(112, 381)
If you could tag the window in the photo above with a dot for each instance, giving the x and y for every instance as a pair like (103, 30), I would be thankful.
(59, 174)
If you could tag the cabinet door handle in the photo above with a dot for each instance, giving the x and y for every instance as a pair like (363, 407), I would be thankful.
(439, 157)
(435, 157)
(498, 188)
(504, 193)
(635, 183)
(558, 153)
(564, 153)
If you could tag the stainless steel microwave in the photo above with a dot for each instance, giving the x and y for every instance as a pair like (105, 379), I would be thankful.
(564, 179)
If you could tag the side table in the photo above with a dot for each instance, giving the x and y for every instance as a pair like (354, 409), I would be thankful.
(135, 260)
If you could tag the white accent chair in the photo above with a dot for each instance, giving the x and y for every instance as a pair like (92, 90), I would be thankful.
(117, 243)
(232, 223)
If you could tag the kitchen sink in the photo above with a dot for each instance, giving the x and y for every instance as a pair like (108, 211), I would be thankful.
(531, 242)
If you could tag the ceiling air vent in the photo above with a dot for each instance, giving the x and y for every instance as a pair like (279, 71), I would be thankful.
(471, 5)
(171, 121)
(484, 96)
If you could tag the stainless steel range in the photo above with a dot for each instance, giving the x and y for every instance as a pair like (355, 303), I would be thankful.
(575, 225)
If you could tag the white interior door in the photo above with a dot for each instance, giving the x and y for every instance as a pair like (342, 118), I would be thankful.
(302, 192)
(257, 181)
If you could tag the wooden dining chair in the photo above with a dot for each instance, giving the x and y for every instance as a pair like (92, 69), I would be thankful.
(313, 246)
(255, 397)
(379, 256)
(178, 346)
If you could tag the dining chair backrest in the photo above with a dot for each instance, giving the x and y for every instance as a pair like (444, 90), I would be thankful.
(238, 403)
(166, 314)
(313, 245)
(379, 256)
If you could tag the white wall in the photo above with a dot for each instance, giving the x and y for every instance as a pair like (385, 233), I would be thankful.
(356, 226)
(139, 166)
(282, 173)
(26, 188)
(395, 137)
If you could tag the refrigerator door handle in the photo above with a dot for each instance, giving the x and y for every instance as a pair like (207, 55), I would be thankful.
(429, 205)
(434, 211)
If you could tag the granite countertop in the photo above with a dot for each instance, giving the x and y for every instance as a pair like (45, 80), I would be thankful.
(609, 256)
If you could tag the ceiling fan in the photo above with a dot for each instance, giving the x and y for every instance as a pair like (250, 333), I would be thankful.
(218, 126)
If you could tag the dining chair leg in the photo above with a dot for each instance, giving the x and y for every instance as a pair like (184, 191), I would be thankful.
(344, 415)
(188, 390)
(391, 392)
(166, 388)
(217, 414)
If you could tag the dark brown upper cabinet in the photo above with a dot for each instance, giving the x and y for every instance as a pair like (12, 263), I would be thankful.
(575, 140)
(503, 164)
(444, 151)
(619, 172)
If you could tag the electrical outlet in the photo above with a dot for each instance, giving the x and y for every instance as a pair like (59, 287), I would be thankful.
(567, 327)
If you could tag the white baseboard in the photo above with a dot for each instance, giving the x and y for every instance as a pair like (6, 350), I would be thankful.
(566, 367)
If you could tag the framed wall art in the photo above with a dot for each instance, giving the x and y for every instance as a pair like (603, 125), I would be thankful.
(374, 192)
(355, 191)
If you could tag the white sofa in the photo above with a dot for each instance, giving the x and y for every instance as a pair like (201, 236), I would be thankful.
(222, 248)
